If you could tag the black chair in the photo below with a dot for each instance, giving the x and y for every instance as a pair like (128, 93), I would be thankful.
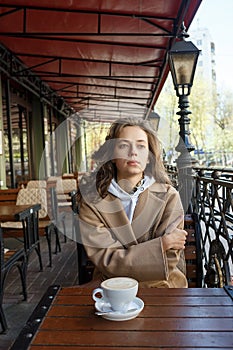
(51, 229)
(25, 229)
(85, 266)
(41, 223)
(8, 260)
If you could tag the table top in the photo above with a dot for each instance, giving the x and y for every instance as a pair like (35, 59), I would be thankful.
(172, 318)
(13, 212)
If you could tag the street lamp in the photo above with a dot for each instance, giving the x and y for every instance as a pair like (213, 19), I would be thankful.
(154, 119)
(182, 61)
(183, 58)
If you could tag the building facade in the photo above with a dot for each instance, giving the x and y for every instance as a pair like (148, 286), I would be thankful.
(206, 66)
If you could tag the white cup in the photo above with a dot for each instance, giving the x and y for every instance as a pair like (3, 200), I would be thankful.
(119, 292)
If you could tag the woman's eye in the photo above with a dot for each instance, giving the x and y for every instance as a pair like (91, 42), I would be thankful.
(141, 146)
(123, 146)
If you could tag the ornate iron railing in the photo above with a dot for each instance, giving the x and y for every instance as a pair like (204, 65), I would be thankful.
(212, 201)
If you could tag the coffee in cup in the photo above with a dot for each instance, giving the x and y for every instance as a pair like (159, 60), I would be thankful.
(119, 292)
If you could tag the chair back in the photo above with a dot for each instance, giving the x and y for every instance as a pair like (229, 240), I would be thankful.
(36, 184)
(65, 186)
(69, 185)
(34, 196)
(63, 189)
(85, 266)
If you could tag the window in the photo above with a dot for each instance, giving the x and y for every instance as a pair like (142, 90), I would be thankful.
(16, 138)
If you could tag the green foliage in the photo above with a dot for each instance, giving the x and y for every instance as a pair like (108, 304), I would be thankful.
(168, 126)
(201, 123)
(211, 121)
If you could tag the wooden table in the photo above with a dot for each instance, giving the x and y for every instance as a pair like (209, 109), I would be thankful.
(17, 212)
(191, 318)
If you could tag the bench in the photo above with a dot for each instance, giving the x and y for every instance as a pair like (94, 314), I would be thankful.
(8, 196)
(194, 269)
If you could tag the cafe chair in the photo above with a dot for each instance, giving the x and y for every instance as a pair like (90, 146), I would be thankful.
(50, 220)
(85, 266)
(37, 184)
(46, 224)
(70, 176)
(8, 260)
(59, 216)
(63, 189)
(56, 219)
(49, 185)
(62, 205)
(18, 229)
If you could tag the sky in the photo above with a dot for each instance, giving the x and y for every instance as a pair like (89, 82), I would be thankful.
(217, 17)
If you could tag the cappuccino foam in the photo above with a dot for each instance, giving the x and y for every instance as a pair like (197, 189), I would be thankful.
(119, 283)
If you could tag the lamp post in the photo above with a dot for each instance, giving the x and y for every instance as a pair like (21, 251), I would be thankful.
(182, 61)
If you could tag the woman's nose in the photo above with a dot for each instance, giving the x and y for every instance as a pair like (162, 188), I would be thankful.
(132, 150)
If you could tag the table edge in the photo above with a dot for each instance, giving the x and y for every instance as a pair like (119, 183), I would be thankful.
(26, 335)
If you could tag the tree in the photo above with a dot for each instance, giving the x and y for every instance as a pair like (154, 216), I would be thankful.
(211, 121)
(223, 119)
(202, 111)
(168, 127)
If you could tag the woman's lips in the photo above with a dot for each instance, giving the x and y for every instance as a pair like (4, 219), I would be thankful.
(132, 162)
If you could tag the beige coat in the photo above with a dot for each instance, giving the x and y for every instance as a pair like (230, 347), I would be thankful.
(118, 248)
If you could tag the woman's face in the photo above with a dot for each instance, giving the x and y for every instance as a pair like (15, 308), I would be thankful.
(131, 153)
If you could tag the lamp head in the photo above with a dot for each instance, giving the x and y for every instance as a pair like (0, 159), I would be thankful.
(182, 61)
(154, 119)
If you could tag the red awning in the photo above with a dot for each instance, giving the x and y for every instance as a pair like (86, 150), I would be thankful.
(105, 58)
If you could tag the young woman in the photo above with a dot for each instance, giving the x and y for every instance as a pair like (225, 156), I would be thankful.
(131, 217)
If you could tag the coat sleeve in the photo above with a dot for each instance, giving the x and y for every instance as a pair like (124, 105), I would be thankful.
(144, 261)
(174, 258)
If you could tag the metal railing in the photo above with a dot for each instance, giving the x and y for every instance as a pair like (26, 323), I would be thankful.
(212, 201)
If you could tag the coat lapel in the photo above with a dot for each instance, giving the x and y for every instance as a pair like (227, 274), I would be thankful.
(148, 210)
(114, 215)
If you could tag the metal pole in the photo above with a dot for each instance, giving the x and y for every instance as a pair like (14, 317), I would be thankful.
(185, 161)
(10, 135)
(85, 145)
(21, 110)
(52, 156)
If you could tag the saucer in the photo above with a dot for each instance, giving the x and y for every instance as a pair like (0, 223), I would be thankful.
(137, 304)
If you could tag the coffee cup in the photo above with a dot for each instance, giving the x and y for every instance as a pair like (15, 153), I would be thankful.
(119, 292)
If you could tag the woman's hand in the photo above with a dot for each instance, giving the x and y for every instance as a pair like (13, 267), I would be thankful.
(174, 237)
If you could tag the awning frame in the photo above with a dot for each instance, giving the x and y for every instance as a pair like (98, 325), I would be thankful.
(85, 91)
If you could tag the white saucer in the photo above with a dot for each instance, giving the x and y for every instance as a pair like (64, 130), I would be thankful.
(137, 304)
